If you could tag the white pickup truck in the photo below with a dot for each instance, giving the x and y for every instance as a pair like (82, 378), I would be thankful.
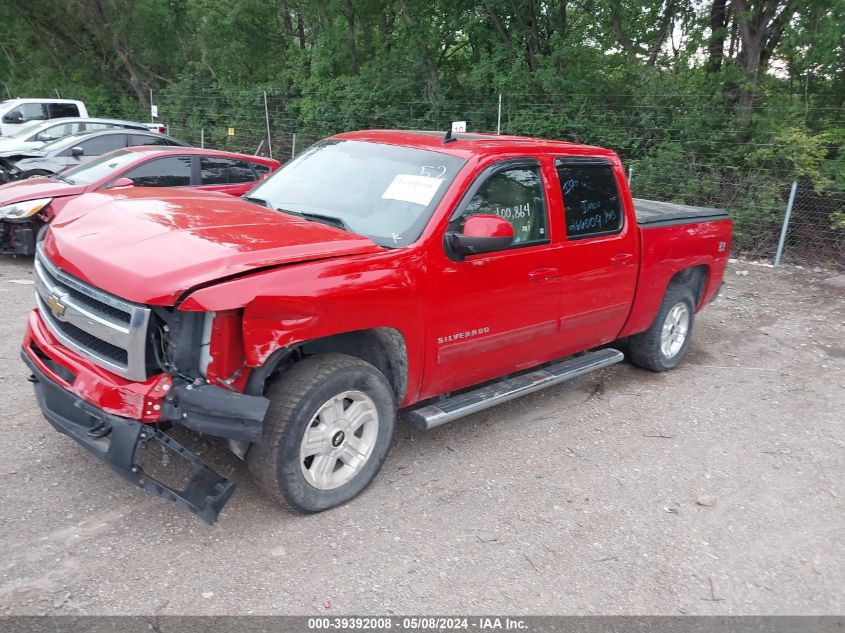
(15, 113)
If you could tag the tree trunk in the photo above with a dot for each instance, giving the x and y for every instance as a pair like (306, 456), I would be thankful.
(618, 30)
(759, 29)
(349, 14)
(530, 35)
(561, 19)
(497, 24)
(716, 46)
(135, 81)
(428, 60)
(665, 23)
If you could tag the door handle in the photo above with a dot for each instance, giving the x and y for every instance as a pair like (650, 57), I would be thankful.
(622, 258)
(542, 274)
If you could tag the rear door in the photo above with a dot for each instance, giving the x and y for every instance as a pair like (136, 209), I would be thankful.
(226, 175)
(600, 253)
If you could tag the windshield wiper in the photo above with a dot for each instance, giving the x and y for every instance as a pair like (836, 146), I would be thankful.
(260, 201)
(331, 220)
(62, 179)
(325, 219)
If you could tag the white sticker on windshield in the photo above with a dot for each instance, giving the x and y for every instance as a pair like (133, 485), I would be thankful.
(416, 189)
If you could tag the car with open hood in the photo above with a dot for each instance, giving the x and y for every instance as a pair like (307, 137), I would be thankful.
(36, 134)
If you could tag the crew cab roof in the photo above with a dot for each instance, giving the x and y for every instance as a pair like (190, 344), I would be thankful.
(472, 144)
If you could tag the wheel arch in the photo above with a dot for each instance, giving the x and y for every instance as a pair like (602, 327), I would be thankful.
(696, 278)
(382, 347)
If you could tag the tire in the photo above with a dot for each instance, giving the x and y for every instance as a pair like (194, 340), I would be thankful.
(34, 173)
(305, 398)
(650, 350)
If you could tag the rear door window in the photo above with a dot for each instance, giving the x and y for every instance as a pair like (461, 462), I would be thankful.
(224, 171)
(241, 171)
(170, 171)
(590, 198)
(101, 144)
(59, 110)
(93, 127)
(143, 139)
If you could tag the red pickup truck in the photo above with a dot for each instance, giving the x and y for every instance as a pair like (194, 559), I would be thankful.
(378, 272)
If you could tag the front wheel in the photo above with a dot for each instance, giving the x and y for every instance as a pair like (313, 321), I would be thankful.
(326, 433)
(34, 173)
(665, 343)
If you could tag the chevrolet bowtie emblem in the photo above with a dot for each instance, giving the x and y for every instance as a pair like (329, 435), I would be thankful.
(56, 306)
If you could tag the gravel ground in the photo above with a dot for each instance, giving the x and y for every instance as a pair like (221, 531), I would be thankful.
(582, 499)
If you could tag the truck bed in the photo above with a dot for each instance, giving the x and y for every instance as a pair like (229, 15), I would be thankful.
(653, 213)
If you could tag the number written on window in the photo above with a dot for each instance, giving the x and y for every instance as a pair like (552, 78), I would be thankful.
(590, 200)
(516, 195)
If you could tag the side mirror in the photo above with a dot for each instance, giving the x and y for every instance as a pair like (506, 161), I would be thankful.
(121, 183)
(481, 234)
(13, 117)
(77, 151)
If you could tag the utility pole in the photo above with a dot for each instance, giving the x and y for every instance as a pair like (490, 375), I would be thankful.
(267, 122)
(499, 119)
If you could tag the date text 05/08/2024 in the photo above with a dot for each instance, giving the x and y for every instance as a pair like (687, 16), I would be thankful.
(432, 623)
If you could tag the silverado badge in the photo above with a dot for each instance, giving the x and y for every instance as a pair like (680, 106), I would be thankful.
(56, 306)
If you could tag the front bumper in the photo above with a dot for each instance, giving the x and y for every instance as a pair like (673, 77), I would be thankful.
(18, 237)
(116, 441)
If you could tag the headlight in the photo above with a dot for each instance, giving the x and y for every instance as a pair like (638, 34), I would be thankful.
(21, 210)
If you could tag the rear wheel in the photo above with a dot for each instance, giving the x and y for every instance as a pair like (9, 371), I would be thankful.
(326, 433)
(665, 343)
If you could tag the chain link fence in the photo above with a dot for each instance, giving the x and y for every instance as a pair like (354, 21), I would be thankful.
(254, 123)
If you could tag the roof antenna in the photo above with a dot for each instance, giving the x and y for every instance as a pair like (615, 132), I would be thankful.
(449, 138)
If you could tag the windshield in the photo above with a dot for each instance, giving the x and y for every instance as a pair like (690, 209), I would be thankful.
(26, 129)
(385, 192)
(60, 143)
(100, 167)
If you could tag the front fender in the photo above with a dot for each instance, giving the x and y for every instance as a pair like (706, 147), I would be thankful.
(295, 304)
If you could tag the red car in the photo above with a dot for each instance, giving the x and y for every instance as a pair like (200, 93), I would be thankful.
(378, 271)
(27, 204)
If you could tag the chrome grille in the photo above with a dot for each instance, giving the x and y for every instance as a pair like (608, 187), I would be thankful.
(106, 329)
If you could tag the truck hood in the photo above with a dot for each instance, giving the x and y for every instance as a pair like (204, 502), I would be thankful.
(26, 152)
(151, 246)
(34, 188)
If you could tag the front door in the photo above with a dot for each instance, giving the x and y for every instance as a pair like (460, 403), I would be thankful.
(494, 313)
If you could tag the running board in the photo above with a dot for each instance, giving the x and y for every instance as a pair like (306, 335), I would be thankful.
(469, 402)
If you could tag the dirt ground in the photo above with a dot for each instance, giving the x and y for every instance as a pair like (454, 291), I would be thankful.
(581, 499)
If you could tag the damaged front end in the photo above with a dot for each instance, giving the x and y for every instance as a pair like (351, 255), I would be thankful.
(117, 441)
(80, 339)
